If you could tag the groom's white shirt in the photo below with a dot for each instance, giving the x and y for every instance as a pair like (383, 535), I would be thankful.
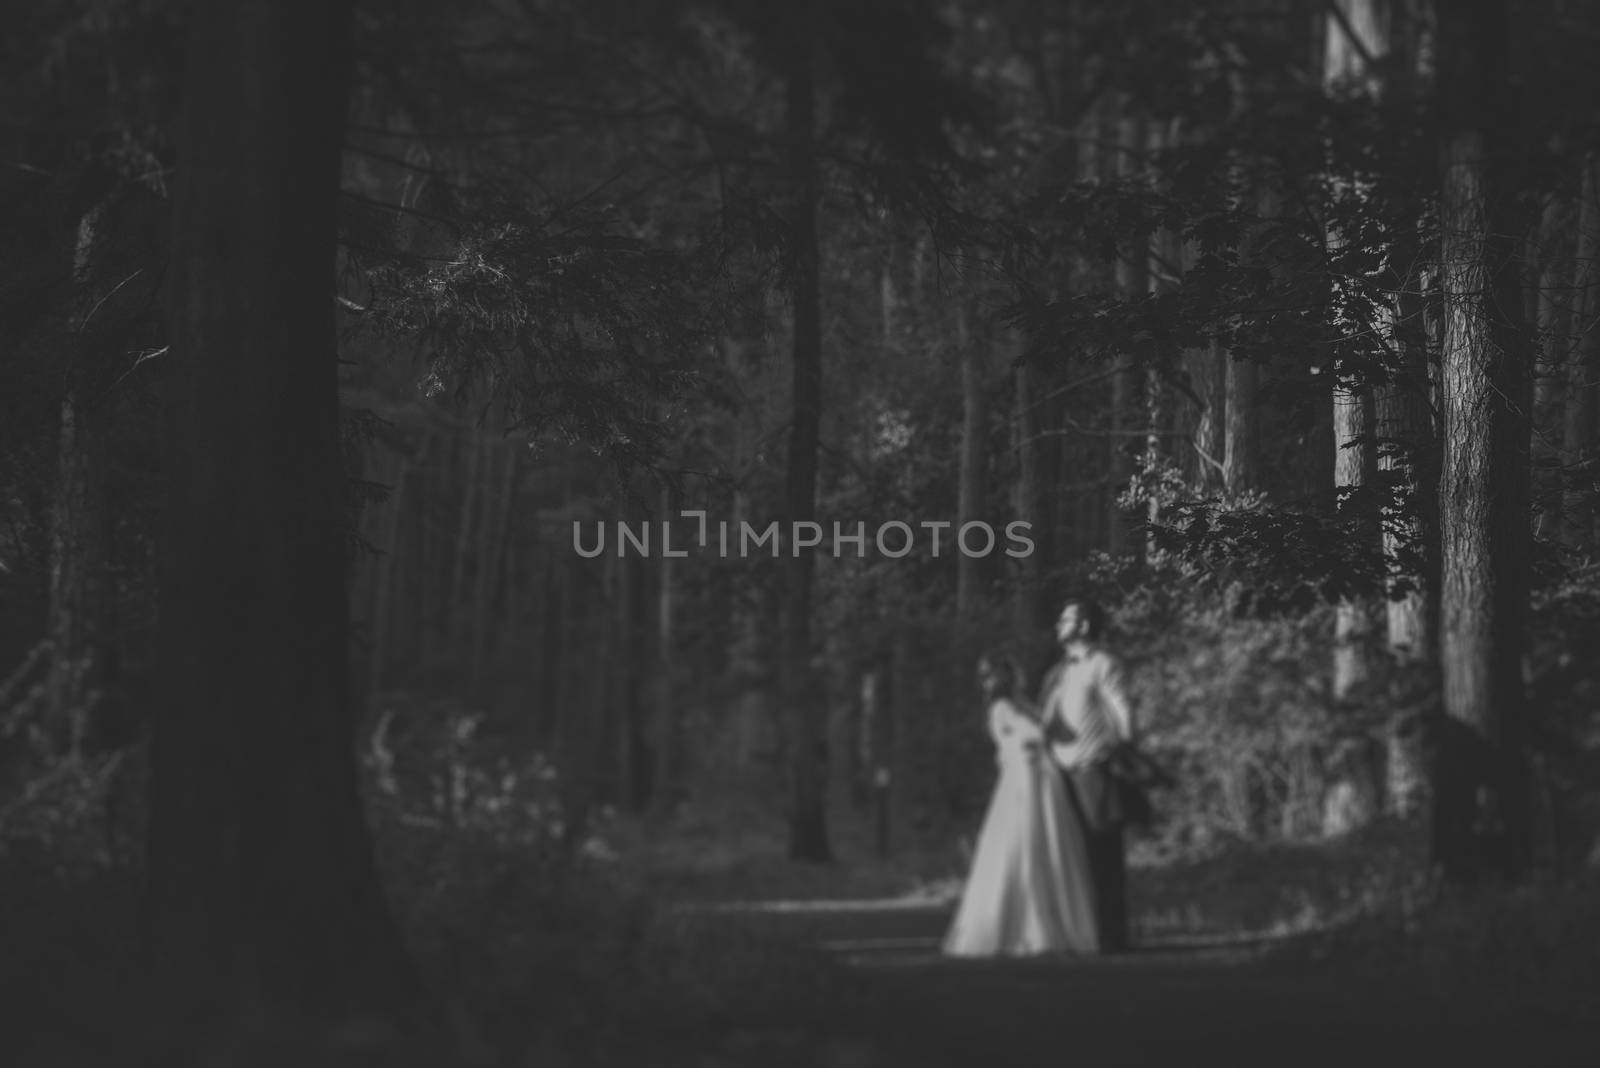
(1090, 699)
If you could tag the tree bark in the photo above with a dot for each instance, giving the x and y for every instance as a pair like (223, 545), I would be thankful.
(1208, 373)
(1355, 35)
(1481, 817)
(81, 587)
(1240, 464)
(808, 827)
(1578, 445)
(262, 886)
(1552, 271)
(1352, 624)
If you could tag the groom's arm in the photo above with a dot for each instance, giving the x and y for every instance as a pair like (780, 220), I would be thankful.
(1114, 691)
(1065, 749)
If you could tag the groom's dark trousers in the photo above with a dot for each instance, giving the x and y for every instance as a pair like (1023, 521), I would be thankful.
(1093, 788)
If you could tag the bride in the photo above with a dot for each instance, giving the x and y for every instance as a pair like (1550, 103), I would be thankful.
(1028, 890)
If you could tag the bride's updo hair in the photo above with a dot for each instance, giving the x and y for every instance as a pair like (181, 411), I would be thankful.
(1005, 669)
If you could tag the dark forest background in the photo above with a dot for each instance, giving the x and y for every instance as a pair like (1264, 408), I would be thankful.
(325, 323)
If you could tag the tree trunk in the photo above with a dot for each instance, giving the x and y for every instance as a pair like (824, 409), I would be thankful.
(496, 528)
(470, 489)
(1240, 465)
(1405, 432)
(1578, 445)
(1552, 271)
(261, 881)
(1164, 257)
(1026, 570)
(383, 581)
(664, 706)
(1208, 374)
(1481, 817)
(1355, 34)
(808, 827)
(579, 692)
(1132, 279)
(630, 774)
(81, 589)
(974, 458)
(903, 729)
(1351, 435)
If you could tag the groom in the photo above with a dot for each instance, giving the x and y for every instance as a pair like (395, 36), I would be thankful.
(1086, 713)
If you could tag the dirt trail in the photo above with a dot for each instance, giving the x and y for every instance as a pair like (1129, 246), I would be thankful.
(1170, 1002)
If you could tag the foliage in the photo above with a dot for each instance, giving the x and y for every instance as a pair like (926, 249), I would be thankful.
(1271, 561)
(430, 765)
(58, 791)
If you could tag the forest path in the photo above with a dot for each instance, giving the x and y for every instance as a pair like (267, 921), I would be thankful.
(1171, 1001)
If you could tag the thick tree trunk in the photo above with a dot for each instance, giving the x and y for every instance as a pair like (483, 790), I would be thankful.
(808, 827)
(1481, 817)
(1578, 444)
(262, 886)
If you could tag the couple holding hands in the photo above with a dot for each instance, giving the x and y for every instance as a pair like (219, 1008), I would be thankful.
(1048, 873)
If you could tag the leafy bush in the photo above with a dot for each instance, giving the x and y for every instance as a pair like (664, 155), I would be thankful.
(1240, 705)
(429, 763)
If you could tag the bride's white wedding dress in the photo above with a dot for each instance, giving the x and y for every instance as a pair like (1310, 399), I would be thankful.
(1026, 892)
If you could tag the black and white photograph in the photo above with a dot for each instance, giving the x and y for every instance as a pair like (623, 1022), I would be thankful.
(799, 533)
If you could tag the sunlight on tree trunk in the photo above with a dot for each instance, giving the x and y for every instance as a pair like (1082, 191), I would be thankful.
(1354, 35)
(1550, 270)
(1481, 819)
(1239, 426)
